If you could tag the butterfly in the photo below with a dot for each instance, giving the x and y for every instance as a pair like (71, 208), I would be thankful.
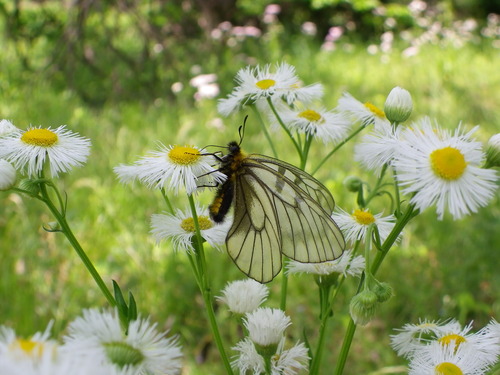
(278, 210)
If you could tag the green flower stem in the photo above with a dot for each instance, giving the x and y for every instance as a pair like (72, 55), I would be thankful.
(305, 151)
(283, 126)
(393, 236)
(61, 219)
(167, 201)
(284, 285)
(201, 273)
(264, 129)
(346, 345)
(386, 246)
(336, 149)
(378, 185)
(325, 305)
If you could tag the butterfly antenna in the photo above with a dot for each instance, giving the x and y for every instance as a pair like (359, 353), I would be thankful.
(241, 129)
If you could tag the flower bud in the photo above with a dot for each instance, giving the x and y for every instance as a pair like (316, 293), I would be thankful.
(7, 175)
(363, 306)
(493, 152)
(353, 184)
(31, 185)
(398, 105)
(383, 292)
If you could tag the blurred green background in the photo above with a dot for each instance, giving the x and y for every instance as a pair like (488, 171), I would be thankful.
(129, 74)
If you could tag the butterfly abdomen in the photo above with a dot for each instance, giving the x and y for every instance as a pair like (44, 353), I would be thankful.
(230, 165)
(222, 201)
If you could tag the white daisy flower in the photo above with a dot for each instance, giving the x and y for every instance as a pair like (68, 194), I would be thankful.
(98, 337)
(398, 105)
(172, 167)
(255, 84)
(266, 326)
(244, 296)
(35, 355)
(378, 147)
(60, 148)
(7, 175)
(493, 329)
(283, 362)
(247, 359)
(354, 226)
(413, 337)
(447, 359)
(366, 113)
(328, 126)
(290, 361)
(31, 348)
(487, 347)
(441, 169)
(180, 228)
(6, 127)
(346, 264)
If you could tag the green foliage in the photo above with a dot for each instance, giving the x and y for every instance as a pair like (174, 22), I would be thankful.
(445, 268)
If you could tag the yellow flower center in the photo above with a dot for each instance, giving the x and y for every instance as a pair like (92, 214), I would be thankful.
(375, 110)
(448, 339)
(363, 217)
(39, 137)
(184, 155)
(311, 115)
(31, 348)
(204, 222)
(448, 163)
(447, 368)
(264, 84)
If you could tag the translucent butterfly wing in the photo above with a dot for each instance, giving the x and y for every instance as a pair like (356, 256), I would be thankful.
(253, 242)
(305, 181)
(279, 209)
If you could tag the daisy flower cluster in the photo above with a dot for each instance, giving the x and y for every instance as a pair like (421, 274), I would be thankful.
(436, 167)
(255, 85)
(292, 104)
(30, 151)
(263, 350)
(448, 348)
(95, 344)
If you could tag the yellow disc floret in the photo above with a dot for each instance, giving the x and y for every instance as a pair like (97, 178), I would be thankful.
(203, 221)
(375, 110)
(31, 348)
(447, 368)
(265, 84)
(184, 155)
(310, 115)
(363, 217)
(40, 137)
(448, 163)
